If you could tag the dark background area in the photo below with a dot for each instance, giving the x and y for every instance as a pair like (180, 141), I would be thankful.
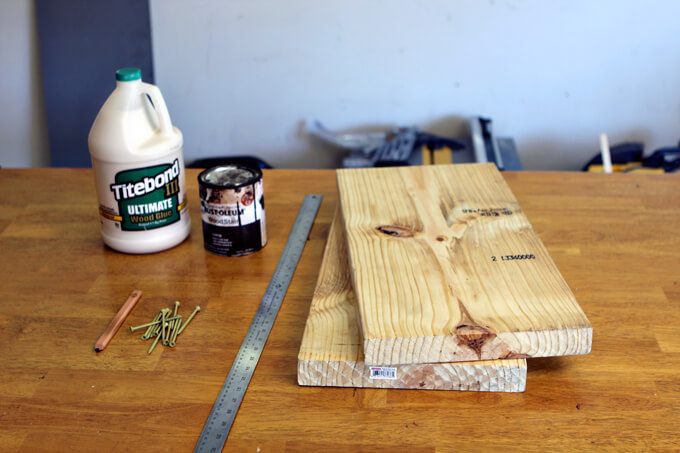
(82, 44)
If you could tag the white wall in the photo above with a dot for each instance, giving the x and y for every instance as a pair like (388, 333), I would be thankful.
(23, 126)
(239, 76)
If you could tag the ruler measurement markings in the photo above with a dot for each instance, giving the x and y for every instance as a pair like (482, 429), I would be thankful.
(231, 395)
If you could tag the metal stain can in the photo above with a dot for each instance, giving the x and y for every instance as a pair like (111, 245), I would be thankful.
(232, 210)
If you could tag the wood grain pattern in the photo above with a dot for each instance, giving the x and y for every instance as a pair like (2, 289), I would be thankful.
(614, 238)
(447, 268)
(331, 353)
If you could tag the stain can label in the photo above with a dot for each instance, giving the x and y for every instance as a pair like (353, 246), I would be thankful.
(232, 210)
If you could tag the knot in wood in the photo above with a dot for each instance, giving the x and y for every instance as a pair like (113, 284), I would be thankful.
(473, 336)
(396, 231)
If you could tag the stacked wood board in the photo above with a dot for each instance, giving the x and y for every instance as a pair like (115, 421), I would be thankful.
(430, 265)
(332, 354)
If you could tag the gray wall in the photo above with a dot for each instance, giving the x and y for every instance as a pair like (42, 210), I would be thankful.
(239, 77)
(82, 43)
(23, 129)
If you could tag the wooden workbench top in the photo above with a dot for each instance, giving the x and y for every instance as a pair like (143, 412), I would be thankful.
(615, 239)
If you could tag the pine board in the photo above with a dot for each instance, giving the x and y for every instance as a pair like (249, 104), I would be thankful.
(446, 268)
(331, 353)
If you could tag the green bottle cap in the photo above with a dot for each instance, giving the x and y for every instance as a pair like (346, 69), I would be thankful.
(128, 74)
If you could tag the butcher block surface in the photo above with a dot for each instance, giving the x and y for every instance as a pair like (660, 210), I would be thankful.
(613, 237)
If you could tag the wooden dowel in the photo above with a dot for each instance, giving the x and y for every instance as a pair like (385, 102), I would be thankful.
(117, 320)
(606, 154)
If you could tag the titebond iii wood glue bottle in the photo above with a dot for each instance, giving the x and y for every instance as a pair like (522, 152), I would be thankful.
(139, 169)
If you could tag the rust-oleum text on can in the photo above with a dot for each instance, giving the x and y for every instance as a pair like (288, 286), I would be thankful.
(232, 210)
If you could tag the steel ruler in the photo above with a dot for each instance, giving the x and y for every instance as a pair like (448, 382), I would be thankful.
(226, 406)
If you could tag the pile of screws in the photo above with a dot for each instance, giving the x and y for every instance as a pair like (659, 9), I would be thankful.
(165, 327)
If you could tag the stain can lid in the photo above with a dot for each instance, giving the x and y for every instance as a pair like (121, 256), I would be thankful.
(229, 176)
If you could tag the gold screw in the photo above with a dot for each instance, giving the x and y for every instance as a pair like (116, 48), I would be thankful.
(156, 331)
(147, 334)
(175, 331)
(191, 316)
(153, 345)
(165, 327)
(154, 323)
(164, 324)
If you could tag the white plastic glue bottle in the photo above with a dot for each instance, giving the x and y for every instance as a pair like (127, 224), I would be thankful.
(139, 169)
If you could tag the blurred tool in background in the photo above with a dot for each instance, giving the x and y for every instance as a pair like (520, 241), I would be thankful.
(411, 146)
(629, 157)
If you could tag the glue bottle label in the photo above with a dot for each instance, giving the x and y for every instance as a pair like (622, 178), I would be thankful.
(148, 197)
